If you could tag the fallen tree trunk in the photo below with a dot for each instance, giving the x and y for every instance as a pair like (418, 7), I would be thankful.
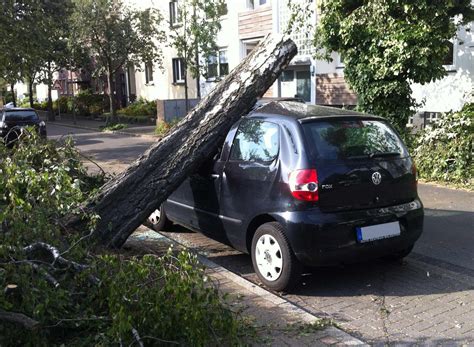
(127, 200)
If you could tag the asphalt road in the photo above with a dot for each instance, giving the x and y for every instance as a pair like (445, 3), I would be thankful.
(429, 298)
(112, 152)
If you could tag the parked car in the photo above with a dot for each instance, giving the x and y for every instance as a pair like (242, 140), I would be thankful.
(297, 184)
(14, 120)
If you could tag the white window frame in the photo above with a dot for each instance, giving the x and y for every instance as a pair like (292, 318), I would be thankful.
(149, 73)
(178, 75)
(247, 41)
(175, 19)
(339, 63)
(452, 67)
(219, 74)
(254, 4)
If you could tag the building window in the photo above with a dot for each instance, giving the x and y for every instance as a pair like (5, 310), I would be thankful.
(175, 16)
(253, 4)
(249, 46)
(148, 72)
(287, 76)
(217, 64)
(449, 58)
(178, 70)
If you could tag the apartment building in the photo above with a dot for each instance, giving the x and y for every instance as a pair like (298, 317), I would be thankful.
(246, 23)
(455, 89)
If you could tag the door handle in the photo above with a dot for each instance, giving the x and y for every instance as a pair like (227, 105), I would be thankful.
(214, 176)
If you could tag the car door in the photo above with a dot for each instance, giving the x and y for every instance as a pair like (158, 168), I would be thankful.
(249, 176)
(195, 203)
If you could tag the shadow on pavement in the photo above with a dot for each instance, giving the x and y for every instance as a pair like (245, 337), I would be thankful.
(374, 277)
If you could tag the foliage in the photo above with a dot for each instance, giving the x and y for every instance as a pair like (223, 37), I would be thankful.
(194, 34)
(443, 151)
(42, 106)
(387, 45)
(115, 127)
(116, 36)
(141, 107)
(79, 297)
(163, 127)
(34, 55)
(85, 103)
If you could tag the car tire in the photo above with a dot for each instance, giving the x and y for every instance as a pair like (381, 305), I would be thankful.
(273, 259)
(158, 220)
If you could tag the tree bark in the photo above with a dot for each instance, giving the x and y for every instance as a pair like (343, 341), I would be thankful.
(12, 87)
(127, 200)
(18, 319)
(113, 109)
(51, 115)
(186, 93)
(30, 91)
(198, 76)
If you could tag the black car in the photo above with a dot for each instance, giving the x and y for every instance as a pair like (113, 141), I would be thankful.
(14, 120)
(296, 184)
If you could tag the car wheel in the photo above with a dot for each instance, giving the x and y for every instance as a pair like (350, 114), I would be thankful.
(272, 258)
(158, 220)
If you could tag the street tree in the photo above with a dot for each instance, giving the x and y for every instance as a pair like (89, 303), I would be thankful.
(117, 36)
(11, 32)
(194, 25)
(34, 41)
(53, 23)
(388, 45)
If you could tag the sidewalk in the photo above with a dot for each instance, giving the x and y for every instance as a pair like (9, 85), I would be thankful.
(98, 124)
(277, 321)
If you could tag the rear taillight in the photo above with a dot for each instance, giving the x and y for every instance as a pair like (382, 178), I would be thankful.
(304, 184)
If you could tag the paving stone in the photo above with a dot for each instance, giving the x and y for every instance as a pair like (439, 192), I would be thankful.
(398, 302)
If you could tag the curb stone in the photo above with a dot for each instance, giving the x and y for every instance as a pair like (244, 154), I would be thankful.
(333, 335)
(118, 132)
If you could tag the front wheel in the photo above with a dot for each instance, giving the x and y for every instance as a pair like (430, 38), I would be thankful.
(273, 260)
(158, 220)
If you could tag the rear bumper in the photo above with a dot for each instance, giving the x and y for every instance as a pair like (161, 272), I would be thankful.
(319, 238)
(41, 130)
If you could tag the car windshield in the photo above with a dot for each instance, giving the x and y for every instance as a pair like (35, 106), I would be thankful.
(21, 115)
(352, 139)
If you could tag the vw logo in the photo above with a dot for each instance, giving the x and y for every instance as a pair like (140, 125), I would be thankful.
(376, 178)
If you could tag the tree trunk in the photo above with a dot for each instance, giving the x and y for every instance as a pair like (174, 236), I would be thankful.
(30, 91)
(128, 199)
(51, 115)
(196, 58)
(186, 94)
(198, 76)
(113, 109)
(12, 86)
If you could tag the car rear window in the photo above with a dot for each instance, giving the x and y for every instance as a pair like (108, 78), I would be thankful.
(21, 116)
(352, 139)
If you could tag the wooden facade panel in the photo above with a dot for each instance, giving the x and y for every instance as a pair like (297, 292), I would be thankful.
(331, 89)
(255, 23)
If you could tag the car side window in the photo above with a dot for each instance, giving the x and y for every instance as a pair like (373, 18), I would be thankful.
(256, 140)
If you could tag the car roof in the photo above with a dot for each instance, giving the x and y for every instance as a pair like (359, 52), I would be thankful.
(304, 112)
(265, 100)
(11, 109)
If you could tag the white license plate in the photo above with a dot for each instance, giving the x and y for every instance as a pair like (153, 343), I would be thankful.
(378, 232)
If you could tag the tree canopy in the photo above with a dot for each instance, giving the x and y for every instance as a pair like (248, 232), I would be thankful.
(194, 33)
(116, 36)
(388, 44)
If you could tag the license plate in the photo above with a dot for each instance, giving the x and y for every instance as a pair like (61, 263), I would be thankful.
(378, 232)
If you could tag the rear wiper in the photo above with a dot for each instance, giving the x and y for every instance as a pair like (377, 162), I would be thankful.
(384, 154)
